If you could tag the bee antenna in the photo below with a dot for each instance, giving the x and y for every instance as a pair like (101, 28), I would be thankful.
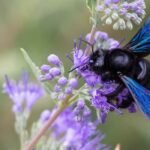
(80, 41)
(77, 67)
(69, 57)
(73, 69)
(92, 45)
(121, 41)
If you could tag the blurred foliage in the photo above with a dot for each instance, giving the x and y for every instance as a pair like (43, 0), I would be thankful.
(50, 26)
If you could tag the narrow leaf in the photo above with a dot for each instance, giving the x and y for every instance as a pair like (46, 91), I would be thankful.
(91, 4)
(35, 69)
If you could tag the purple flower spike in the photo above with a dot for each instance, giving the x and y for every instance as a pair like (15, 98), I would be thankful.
(55, 71)
(62, 81)
(77, 134)
(53, 59)
(22, 92)
(73, 82)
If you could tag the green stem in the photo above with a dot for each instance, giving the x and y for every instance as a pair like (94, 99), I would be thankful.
(92, 33)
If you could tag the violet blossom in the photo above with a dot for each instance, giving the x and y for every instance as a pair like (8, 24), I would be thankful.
(22, 93)
(98, 88)
(122, 14)
(74, 133)
(54, 72)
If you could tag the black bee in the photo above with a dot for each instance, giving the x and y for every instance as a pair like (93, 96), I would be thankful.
(127, 67)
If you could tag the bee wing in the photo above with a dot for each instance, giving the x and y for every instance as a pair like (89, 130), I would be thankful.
(140, 43)
(140, 94)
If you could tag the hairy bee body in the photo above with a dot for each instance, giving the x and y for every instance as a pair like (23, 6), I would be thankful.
(110, 63)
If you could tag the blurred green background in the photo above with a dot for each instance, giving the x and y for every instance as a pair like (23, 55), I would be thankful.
(50, 26)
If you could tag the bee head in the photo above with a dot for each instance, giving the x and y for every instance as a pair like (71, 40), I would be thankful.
(96, 61)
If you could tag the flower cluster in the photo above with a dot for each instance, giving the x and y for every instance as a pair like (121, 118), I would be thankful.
(22, 93)
(96, 87)
(122, 14)
(54, 72)
(74, 129)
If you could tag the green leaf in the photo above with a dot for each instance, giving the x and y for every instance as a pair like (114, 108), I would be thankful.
(35, 69)
(91, 4)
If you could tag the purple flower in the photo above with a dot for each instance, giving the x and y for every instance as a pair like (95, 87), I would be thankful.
(98, 88)
(73, 133)
(73, 82)
(53, 59)
(121, 14)
(22, 92)
(45, 68)
(55, 71)
(62, 81)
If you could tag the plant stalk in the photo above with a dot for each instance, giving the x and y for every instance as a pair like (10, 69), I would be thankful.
(47, 125)
(92, 33)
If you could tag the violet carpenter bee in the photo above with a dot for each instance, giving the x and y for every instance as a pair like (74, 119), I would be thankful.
(127, 67)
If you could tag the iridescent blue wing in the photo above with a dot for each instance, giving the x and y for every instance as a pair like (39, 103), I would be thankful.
(140, 43)
(140, 94)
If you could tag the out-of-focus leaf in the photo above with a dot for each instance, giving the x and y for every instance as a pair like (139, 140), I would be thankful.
(91, 4)
(35, 69)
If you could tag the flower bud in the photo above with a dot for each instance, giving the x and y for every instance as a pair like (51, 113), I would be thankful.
(48, 76)
(68, 91)
(62, 81)
(115, 16)
(55, 71)
(45, 68)
(73, 82)
(129, 25)
(57, 88)
(109, 21)
(53, 59)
